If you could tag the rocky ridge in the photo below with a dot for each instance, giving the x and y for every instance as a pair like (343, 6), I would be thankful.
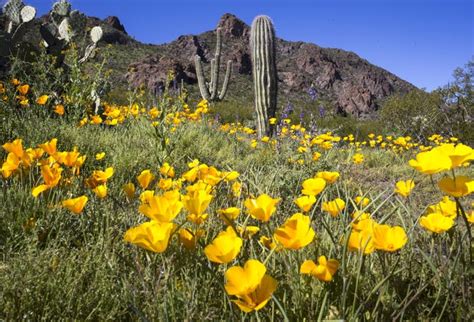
(352, 84)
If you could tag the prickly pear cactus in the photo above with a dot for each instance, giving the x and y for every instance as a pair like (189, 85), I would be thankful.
(96, 34)
(12, 10)
(68, 26)
(78, 23)
(19, 18)
(64, 30)
(62, 8)
(27, 13)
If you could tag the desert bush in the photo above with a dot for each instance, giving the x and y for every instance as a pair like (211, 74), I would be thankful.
(416, 113)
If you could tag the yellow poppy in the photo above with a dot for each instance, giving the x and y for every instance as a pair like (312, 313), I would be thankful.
(145, 178)
(334, 207)
(100, 156)
(328, 176)
(76, 205)
(224, 248)
(459, 187)
(129, 189)
(42, 100)
(305, 202)
(100, 191)
(152, 235)
(262, 207)
(296, 232)
(59, 109)
(436, 222)
(404, 188)
(388, 238)
(324, 270)
(431, 162)
(313, 186)
(161, 208)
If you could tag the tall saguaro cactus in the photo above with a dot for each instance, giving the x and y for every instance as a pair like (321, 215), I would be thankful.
(263, 48)
(209, 90)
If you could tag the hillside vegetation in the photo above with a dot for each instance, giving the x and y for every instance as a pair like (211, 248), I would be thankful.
(342, 227)
(158, 205)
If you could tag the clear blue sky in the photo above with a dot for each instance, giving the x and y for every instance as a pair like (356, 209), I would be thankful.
(422, 41)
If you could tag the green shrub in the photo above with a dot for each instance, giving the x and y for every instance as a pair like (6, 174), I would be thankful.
(418, 114)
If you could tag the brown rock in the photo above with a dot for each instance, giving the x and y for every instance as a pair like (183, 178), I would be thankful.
(156, 70)
(233, 26)
(115, 23)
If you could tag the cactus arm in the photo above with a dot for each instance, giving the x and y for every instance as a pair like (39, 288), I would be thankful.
(47, 35)
(226, 80)
(28, 13)
(217, 63)
(96, 35)
(64, 30)
(201, 79)
(62, 8)
(209, 85)
(214, 79)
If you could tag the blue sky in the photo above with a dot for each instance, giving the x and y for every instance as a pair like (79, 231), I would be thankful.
(422, 41)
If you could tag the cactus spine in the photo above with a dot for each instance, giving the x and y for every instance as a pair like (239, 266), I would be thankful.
(262, 43)
(209, 90)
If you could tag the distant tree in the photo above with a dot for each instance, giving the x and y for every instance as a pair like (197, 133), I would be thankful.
(459, 94)
(417, 113)
(448, 110)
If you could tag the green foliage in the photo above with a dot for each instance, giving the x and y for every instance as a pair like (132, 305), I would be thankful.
(78, 267)
(448, 110)
(71, 85)
(458, 97)
(418, 114)
(58, 266)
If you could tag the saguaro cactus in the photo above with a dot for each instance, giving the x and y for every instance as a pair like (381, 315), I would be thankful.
(209, 90)
(262, 44)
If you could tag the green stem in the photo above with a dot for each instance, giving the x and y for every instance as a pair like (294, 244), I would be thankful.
(460, 210)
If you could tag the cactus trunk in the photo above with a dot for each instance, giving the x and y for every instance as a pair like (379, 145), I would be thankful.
(262, 42)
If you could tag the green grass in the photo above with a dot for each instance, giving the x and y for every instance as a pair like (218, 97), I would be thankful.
(77, 267)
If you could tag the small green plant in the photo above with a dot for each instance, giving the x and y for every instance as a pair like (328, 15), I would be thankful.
(417, 113)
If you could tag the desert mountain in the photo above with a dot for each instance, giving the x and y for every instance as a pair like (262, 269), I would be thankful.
(350, 83)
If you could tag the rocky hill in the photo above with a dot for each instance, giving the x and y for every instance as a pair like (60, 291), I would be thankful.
(350, 83)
